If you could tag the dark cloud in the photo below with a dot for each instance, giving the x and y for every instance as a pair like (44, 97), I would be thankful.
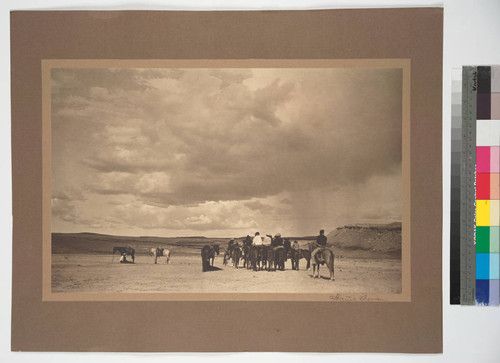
(185, 137)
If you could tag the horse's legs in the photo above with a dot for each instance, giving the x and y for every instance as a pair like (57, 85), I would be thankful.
(332, 273)
(156, 258)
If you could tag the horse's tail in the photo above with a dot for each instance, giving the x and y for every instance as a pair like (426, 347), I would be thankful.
(332, 259)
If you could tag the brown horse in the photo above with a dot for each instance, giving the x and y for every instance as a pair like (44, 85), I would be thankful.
(255, 257)
(236, 255)
(227, 257)
(326, 257)
(124, 250)
(263, 257)
(296, 255)
(280, 258)
(246, 256)
(271, 264)
(207, 257)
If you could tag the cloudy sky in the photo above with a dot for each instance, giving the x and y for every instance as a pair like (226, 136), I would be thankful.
(224, 152)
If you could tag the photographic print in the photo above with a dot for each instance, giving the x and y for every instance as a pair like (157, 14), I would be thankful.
(238, 180)
(162, 136)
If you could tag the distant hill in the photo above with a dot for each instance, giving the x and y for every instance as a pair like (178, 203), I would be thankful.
(67, 243)
(359, 239)
(383, 238)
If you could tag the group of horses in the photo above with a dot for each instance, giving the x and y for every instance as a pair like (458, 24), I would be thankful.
(157, 252)
(269, 258)
(264, 257)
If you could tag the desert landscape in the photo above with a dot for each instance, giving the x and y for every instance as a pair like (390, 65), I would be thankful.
(367, 260)
(197, 156)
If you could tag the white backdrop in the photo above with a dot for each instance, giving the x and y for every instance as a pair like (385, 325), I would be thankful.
(471, 36)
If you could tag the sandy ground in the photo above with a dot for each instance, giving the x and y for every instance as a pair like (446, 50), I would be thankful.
(90, 273)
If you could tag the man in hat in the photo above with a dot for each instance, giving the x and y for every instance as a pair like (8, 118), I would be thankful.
(320, 244)
(277, 240)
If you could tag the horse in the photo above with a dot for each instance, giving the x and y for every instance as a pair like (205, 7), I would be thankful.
(215, 249)
(288, 248)
(228, 253)
(280, 257)
(270, 252)
(160, 252)
(208, 255)
(124, 250)
(227, 257)
(236, 255)
(255, 257)
(323, 256)
(296, 255)
(246, 256)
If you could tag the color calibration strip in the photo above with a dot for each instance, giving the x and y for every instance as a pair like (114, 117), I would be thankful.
(488, 186)
(475, 187)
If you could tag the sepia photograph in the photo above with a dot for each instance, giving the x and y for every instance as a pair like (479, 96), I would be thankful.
(236, 180)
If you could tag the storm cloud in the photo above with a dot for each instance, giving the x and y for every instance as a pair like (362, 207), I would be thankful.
(225, 150)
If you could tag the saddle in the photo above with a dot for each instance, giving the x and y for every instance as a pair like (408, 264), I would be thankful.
(319, 255)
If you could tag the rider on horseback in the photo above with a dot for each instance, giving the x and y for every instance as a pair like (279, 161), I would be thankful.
(318, 246)
(257, 240)
(277, 240)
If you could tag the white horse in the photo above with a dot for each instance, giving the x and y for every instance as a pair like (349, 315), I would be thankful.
(160, 252)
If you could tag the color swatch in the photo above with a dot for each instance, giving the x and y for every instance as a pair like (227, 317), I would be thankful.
(475, 186)
(488, 186)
